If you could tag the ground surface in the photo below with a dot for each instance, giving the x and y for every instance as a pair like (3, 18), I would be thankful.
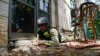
(63, 51)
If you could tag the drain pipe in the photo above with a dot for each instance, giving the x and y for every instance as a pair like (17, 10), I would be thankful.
(57, 20)
(56, 14)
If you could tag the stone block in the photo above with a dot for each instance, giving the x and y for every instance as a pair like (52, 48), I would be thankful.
(3, 8)
(3, 39)
(3, 24)
(3, 51)
(2, 43)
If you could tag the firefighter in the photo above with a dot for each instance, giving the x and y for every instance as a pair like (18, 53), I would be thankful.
(47, 35)
(43, 32)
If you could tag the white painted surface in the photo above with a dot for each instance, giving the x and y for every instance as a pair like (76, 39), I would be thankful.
(64, 14)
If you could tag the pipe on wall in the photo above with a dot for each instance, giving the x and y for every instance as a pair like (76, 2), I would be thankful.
(56, 14)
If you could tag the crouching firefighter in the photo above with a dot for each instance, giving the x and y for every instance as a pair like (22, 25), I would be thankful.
(46, 35)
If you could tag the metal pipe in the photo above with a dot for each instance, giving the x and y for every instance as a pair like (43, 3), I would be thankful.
(56, 14)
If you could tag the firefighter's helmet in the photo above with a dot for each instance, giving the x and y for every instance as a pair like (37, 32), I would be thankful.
(42, 20)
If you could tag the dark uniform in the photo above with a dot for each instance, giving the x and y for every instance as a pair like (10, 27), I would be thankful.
(44, 35)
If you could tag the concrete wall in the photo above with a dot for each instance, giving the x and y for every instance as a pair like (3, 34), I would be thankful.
(61, 14)
(3, 22)
(64, 14)
(53, 13)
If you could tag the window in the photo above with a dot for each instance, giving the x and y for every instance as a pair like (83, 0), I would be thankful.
(22, 18)
(44, 5)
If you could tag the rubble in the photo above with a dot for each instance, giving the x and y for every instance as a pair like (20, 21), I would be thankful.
(60, 51)
(26, 43)
(35, 50)
(24, 48)
(3, 52)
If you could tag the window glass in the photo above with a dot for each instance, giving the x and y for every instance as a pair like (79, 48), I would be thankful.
(23, 18)
(41, 4)
(44, 5)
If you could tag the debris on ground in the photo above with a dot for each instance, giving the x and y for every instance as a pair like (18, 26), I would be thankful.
(80, 45)
(31, 48)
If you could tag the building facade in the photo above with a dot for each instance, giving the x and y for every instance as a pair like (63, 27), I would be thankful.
(22, 13)
(16, 14)
(18, 18)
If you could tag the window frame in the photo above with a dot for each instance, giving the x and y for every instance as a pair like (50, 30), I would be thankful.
(36, 16)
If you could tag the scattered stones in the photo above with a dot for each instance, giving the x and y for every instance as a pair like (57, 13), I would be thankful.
(3, 52)
(59, 51)
(35, 50)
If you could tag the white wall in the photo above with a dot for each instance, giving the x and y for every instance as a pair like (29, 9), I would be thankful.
(64, 14)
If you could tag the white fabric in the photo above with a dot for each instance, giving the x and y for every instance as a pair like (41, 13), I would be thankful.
(54, 36)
